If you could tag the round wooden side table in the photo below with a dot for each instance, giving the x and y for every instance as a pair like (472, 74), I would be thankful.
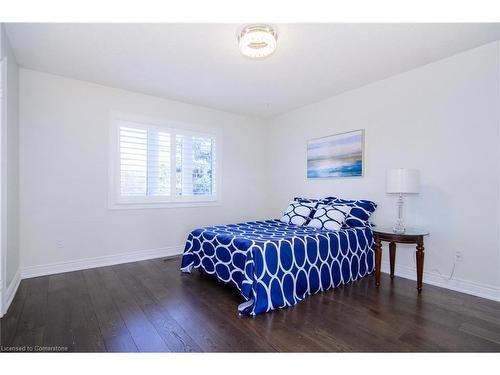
(410, 236)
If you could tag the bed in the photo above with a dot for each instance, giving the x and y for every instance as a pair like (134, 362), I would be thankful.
(274, 264)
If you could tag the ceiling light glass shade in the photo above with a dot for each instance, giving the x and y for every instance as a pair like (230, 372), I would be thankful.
(257, 41)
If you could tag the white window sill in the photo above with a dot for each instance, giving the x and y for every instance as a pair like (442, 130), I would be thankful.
(156, 205)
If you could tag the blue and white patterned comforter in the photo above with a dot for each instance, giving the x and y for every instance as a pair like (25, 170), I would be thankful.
(274, 264)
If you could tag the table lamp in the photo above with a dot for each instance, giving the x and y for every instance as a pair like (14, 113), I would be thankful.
(402, 181)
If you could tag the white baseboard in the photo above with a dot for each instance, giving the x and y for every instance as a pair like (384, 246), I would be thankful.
(456, 284)
(109, 260)
(10, 293)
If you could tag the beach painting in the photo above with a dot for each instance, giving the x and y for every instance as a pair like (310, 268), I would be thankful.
(339, 155)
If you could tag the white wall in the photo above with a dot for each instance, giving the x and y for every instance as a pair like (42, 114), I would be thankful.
(443, 119)
(64, 172)
(10, 162)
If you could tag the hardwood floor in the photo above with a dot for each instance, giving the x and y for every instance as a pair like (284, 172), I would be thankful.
(150, 306)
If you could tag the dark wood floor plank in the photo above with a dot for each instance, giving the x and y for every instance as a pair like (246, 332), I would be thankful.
(142, 331)
(58, 323)
(483, 330)
(188, 312)
(151, 306)
(113, 330)
(176, 339)
(83, 321)
(431, 312)
(10, 322)
(409, 314)
(32, 322)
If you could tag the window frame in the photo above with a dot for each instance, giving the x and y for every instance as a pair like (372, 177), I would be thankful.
(117, 201)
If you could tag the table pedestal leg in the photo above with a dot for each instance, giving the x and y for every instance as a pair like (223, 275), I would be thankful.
(420, 265)
(392, 256)
(378, 259)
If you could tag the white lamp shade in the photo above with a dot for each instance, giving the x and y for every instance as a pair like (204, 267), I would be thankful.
(403, 181)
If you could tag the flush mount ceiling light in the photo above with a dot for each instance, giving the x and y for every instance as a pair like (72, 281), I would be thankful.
(257, 41)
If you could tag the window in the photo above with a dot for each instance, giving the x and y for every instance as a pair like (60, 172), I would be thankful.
(160, 166)
(194, 165)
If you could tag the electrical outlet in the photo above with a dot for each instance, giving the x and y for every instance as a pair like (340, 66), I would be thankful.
(459, 256)
(60, 244)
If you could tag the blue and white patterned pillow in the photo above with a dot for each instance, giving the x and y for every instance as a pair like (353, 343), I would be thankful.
(306, 200)
(360, 212)
(318, 201)
(298, 213)
(329, 217)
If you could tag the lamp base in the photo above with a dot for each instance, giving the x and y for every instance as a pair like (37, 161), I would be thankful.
(399, 228)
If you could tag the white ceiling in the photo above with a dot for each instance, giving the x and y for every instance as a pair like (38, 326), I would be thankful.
(201, 63)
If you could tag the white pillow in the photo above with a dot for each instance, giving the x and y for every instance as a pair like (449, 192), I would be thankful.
(298, 213)
(329, 217)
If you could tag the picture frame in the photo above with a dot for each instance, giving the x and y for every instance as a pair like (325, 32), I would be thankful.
(336, 156)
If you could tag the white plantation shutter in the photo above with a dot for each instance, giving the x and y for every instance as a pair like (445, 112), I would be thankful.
(162, 165)
(158, 163)
(144, 162)
(133, 161)
(195, 165)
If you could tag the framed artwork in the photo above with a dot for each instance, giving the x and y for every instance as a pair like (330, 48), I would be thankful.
(339, 155)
